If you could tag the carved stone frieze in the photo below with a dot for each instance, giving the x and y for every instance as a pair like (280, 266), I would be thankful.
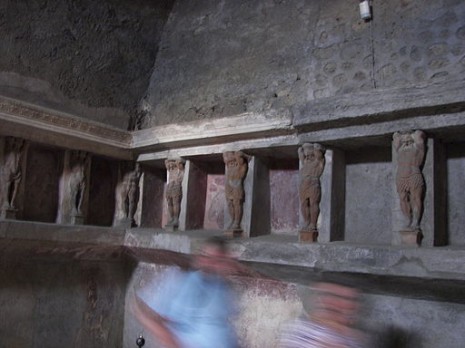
(21, 112)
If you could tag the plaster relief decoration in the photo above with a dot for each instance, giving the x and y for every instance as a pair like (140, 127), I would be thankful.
(96, 323)
(236, 163)
(10, 176)
(410, 184)
(312, 164)
(175, 174)
(127, 195)
(73, 185)
(50, 119)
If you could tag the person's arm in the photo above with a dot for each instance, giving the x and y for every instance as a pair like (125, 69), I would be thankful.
(154, 323)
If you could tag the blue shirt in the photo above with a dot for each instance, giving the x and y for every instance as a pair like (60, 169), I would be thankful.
(199, 307)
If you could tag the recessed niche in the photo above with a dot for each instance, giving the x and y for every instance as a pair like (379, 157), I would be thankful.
(43, 169)
(368, 196)
(455, 193)
(284, 196)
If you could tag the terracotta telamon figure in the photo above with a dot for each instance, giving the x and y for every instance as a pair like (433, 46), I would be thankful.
(10, 172)
(236, 169)
(410, 148)
(175, 168)
(127, 195)
(312, 163)
(77, 179)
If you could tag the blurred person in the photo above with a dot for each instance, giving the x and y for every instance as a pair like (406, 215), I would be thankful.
(330, 323)
(193, 309)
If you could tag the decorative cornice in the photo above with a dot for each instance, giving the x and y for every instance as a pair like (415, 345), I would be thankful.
(437, 109)
(50, 127)
(23, 113)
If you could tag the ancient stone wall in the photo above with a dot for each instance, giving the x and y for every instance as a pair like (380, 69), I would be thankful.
(54, 297)
(90, 58)
(225, 58)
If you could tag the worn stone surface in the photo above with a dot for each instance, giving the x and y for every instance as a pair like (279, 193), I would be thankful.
(223, 59)
(43, 170)
(455, 178)
(100, 267)
(88, 57)
(152, 198)
(261, 76)
(284, 201)
(61, 294)
(214, 202)
(368, 196)
(209, 43)
(102, 184)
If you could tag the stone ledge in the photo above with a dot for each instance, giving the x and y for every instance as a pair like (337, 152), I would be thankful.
(199, 133)
(359, 118)
(280, 254)
(382, 105)
(434, 262)
(39, 231)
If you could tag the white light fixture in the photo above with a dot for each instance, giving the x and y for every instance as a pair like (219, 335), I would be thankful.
(365, 10)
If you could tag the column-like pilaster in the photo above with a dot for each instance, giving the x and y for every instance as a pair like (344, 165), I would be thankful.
(331, 222)
(152, 198)
(257, 216)
(194, 189)
(433, 222)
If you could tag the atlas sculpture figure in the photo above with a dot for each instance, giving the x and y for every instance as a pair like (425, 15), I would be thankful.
(312, 163)
(410, 149)
(127, 195)
(10, 172)
(236, 169)
(175, 168)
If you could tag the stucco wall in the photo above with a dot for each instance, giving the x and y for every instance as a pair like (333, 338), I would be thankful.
(90, 58)
(455, 180)
(368, 197)
(112, 61)
(222, 58)
(53, 297)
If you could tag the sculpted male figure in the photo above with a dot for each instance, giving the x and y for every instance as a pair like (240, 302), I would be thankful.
(127, 195)
(10, 172)
(312, 163)
(236, 170)
(410, 148)
(175, 168)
